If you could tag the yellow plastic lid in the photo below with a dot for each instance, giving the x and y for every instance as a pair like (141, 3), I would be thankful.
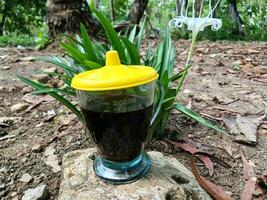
(114, 76)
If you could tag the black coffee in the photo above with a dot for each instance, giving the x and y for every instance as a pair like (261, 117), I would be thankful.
(119, 136)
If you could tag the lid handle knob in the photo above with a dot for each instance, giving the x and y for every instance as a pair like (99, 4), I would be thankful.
(112, 58)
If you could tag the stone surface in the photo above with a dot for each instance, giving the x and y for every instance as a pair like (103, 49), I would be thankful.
(26, 178)
(26, 90)
(42, 78)
(19, 107)
(50, 70)
(167, 179)
(9, 120)
(37, 148)
(38, 193)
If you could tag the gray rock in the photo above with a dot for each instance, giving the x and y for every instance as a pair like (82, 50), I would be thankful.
(2, 132)
(26, 90)
(2, 89)
(26, 178)
(38, 193)
(19, 107)
(50, 70)
(42, 78)
(9, 120)
(6, 67)
(3, 169)
(37, 148)
(167, 179)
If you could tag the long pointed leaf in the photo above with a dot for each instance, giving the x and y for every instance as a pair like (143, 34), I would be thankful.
(132, 34)
(58, 97)
(57, 90)
(87, 44)
(74, 52)
(179, 74)
(196, 117)
(92, 64)
(62, 65)
(140, 35)
(111, 33)
(132, 52)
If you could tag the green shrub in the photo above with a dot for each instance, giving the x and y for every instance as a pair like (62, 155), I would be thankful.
(87, 55)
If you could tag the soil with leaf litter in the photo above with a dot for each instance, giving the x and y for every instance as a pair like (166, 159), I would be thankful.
(228, 81)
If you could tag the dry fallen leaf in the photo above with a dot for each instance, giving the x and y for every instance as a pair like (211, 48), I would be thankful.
(249, 189)
(229, 150)
(51, 159)
(214, 190)
(35, 99)
(247, 168)
(193, 150)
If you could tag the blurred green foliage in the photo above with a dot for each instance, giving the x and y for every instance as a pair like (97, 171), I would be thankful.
(16, 40)
(21, 16)
(27, 17)
(254, 16)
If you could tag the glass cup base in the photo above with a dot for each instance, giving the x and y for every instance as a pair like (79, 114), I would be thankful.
(121, 173)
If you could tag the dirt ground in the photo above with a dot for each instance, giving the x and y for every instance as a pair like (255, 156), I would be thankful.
(227, 80)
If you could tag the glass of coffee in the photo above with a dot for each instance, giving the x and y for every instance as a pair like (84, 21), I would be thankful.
(117, 103)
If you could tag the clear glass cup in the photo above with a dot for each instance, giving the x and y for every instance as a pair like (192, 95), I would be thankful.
(119, 121)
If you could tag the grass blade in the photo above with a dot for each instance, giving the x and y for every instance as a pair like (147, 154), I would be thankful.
(132, 34)
(158, 103)
(57, 90)
(140, 35)
(112, 35)
(92, 64)
(87, 44)
(179, 75)
(65, 67)
(132, 52)
(58, 97)
(148, 55)
(74, 52)
(196, 117)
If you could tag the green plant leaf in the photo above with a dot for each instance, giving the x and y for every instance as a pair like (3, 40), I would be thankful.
(196, 117)
(112, 35)
(132, 52)
(92, 64)
(58, 97)
(165, 67)
(159, 100)
(87, 44)
(148, 55)
(56, 90)
(58, 62)
(140, 35)
(74, 52)
(132, 34)
(60, 76)
(180, 74)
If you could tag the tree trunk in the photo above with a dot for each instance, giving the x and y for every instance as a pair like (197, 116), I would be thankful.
(235, 17)
(65, 16)
(137, 12)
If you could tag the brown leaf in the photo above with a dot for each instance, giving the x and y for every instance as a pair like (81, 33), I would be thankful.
(249, 189)
(247, 168)
(34, 99)
(229, 150)
(193, 150)
(214, 190)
